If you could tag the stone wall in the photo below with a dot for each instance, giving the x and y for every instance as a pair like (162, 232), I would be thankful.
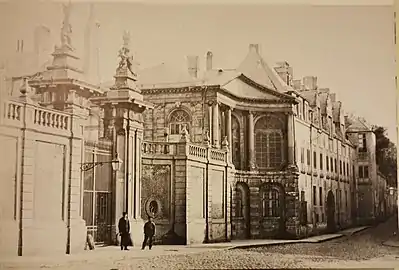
(45, 151)
(286, 222)
(199, 191)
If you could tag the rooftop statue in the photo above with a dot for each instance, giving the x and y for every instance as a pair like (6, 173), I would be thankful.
(66, 30)
(126, 60)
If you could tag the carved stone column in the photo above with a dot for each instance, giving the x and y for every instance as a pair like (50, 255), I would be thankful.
(251, 142)
(210, 117)
(215, 124)
(228, 126)
(290, 140)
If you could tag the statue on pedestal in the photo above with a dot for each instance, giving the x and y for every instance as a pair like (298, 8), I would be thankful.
(126, 61)
(66, 30)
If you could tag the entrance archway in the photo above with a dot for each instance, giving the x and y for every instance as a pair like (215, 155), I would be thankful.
(331, 226)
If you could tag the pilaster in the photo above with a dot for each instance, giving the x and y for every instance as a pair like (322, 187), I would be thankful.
(251, 143)
(215, 125)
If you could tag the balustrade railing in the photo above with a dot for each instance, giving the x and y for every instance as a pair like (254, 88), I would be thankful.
(191, 150)
(163, 148)
(12, 110)
(15, 113)
(197, 151)
(47, 118)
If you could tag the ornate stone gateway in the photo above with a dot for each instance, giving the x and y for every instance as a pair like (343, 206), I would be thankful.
(97, 197)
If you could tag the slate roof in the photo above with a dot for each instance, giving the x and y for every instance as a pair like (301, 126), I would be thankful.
(253, 67)
(310, 96)
(357, 124)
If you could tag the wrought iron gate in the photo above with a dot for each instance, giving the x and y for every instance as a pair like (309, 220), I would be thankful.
(97, 198)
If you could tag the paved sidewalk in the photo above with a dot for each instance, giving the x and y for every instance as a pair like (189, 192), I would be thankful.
(113, 253)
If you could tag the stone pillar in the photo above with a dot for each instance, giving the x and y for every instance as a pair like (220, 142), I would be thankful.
(251, 143)
(215, 125)
(290, 140)
(228, 126)
(210, 117)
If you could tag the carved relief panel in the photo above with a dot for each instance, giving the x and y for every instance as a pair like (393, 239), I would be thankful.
(155, 199)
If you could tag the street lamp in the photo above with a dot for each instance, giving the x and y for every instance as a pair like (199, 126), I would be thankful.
(116, 164)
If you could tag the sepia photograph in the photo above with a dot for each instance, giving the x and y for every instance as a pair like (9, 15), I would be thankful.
(149, 134)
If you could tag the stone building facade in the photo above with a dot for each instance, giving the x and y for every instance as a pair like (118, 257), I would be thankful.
(212, 155)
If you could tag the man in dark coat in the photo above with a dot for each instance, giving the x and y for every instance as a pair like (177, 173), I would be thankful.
(149, 232)
(124, 231)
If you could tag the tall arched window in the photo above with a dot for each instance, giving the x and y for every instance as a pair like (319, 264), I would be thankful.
(178, 120)
(235, 138)
(270, 202)
(269, 143)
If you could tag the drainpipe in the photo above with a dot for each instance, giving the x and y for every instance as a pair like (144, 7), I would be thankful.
(311, 174)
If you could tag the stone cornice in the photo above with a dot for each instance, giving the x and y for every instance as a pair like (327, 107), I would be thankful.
(49, 83)
(187, 89)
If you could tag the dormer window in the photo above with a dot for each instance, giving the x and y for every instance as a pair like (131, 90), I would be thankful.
(362, 142)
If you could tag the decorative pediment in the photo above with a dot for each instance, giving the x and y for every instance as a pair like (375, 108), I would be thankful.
(243, 87)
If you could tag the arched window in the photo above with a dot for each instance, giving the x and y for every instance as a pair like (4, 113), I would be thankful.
(235, 138)
(239, 203)
(178, 120)
(269, 143)
(270, 202)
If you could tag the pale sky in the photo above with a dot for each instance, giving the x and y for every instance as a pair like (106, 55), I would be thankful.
(350, 49)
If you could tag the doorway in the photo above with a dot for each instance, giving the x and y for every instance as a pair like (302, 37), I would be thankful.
(331, 226)
(97, 196)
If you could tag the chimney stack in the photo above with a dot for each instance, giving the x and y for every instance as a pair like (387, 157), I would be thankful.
(192, 64)
(254, 47)
(209, 56)
(285, 72)
(310, 82)
(332, 97)
(296, 84)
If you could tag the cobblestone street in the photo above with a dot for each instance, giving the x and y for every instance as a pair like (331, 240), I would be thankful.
(363, 249)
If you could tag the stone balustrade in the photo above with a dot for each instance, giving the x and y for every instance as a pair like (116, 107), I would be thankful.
(13, 111)
(191, 151)
(17, 114)
(52, 119)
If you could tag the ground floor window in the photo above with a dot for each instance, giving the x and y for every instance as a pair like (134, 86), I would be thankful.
(270, 202)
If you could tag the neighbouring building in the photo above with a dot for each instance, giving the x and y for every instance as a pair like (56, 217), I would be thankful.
(212, 154)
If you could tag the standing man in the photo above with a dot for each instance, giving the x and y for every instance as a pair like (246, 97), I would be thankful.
(149, 232)
(124, 231)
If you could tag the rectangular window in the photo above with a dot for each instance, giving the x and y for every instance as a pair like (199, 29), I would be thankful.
(321, 196)
(335, 165)
(302, 155)
(321, 161)
(344, 168)
(361, 172)
(314, 195)
(332, 164)
(366, 171)
(327, 164)
(340, 167)
(270, 203)
(347, 169)
(362, 142)
(314, 160)
(308, 157)
(302, 196)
